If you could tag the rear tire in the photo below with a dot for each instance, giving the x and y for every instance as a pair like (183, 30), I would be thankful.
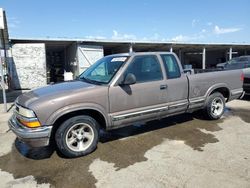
(77, 136)
(215, 106)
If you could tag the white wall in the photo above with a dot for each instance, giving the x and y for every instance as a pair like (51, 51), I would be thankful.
(28, 66)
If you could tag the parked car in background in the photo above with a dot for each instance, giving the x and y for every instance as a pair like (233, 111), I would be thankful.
(235, 63)
(246, 84)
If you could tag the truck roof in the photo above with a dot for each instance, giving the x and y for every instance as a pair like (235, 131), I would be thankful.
(140, 53)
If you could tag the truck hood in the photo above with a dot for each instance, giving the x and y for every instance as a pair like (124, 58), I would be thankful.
(53, 91)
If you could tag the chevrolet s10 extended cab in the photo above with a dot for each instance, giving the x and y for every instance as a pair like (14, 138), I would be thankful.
(116, 91)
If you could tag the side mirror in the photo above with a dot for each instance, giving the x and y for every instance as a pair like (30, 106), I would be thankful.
(129, 79)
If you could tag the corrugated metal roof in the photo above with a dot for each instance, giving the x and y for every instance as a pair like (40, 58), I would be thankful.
(20, 39)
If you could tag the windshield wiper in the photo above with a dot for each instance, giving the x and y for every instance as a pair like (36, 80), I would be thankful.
(91, 81)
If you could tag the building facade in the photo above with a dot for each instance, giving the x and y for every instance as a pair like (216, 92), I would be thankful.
(38, 62)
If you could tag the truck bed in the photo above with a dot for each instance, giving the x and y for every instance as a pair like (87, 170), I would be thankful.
(202, 83)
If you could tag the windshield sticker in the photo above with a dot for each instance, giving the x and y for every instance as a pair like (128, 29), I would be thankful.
(119, 59)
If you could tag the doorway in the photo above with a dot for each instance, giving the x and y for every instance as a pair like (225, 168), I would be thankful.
(60, 58)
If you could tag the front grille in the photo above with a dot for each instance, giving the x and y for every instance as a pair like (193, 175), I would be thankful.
(17, 108)
(246, 80)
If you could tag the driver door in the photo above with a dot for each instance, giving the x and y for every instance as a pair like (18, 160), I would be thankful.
(143, 100)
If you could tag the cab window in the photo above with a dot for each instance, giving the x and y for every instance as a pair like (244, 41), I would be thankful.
(171, 66)
(145, 68)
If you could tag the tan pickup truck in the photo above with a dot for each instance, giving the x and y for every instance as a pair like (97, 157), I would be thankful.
(119, 90)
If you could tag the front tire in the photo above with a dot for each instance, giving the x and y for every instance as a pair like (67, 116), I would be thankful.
(77, 136)
(215, 106)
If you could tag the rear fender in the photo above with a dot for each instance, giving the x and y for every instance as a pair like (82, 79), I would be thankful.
(215, 87)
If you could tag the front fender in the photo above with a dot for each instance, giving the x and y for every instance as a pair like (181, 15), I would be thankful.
(75, 107)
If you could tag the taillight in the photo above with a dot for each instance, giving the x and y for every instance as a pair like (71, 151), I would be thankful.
(242, 77)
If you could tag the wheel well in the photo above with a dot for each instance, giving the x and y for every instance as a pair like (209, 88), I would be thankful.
(224, 91)
(93, 113)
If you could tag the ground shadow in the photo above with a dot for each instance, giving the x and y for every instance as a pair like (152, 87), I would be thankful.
(105, 136)
(242, 113)
(141, 128)
(137, 130)
(34, 153)
(246, 98)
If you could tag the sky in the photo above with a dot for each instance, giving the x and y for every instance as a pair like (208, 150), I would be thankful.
(210, 21)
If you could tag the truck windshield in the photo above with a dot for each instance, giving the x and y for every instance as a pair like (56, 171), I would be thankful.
(104, 69)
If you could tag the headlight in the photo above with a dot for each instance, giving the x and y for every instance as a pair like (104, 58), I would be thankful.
(25, 112)
(26, 117)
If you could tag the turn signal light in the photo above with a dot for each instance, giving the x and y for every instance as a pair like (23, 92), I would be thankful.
(32, 124)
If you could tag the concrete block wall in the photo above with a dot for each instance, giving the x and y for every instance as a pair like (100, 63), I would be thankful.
(28, 66)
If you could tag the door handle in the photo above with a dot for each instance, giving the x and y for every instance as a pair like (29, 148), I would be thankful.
(163, 86)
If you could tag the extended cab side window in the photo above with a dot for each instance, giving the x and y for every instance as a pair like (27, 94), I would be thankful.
(145, 68)
(171, 66)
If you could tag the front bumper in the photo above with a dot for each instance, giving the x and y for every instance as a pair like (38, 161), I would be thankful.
(34, 137)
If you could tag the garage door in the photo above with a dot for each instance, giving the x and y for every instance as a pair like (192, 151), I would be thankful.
(87, 55)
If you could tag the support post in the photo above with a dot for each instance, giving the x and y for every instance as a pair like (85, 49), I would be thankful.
(2, 57)
(180, 58)
(204, 58)
(131, 48)
(3, 85)
(230, 53)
